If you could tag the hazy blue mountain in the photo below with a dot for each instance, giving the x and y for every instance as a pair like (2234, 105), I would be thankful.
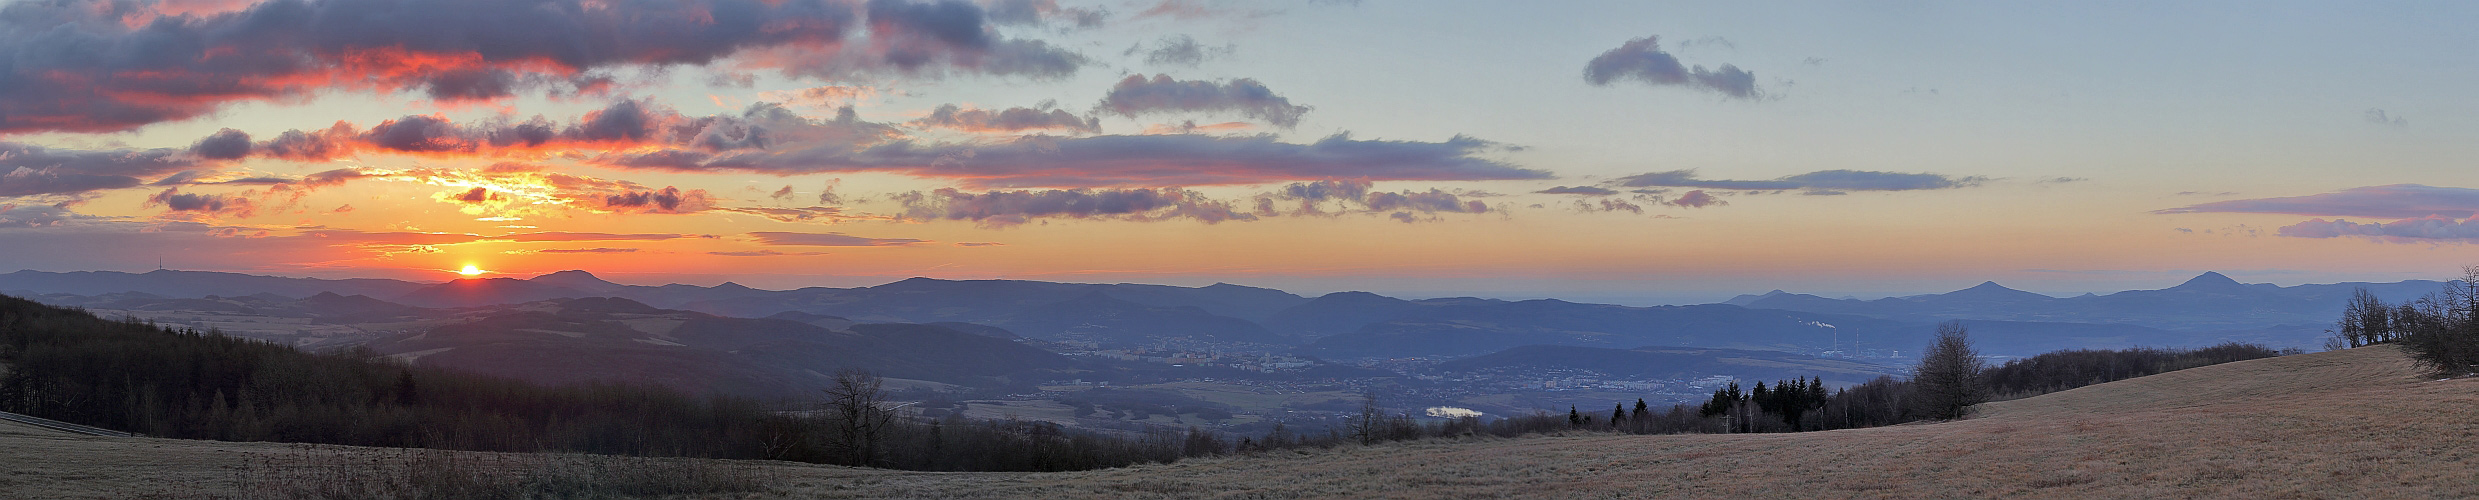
(1474, 328)
(924, 300)
(565, 341)
(477, 292)
(193, 284)
(1338, 312)
(2210, 301)
(1668, 363)
(1107, 321)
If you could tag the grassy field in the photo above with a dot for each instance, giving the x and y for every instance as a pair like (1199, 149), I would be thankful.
(2349, 424)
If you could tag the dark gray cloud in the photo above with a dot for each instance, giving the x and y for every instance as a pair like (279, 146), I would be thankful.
(1041, 12)
(1339, 197)
(1822, 182)
(24, 216)
(1579, 190)
(2397, 201)
(30, 170)
(1137, 95)
(226, 144)
(1179, 50)
(827, 240)
(1642, 60)
(1431, 201)
(669, 200)
(214, 204)
(1696, 199)
(1008, 208)
(1608, 205)
(97, 66)
(1046, 116)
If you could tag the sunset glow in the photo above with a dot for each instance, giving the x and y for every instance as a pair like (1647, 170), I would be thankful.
(1692, 152)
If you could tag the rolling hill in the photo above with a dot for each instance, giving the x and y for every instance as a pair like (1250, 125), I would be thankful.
(2360, 423)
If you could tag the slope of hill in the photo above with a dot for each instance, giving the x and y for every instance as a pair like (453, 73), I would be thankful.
(2316, 425)
(2350, 424)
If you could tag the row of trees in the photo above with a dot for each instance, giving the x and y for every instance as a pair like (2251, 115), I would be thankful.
(2440, 330)
(68, 365)
(1950, 378)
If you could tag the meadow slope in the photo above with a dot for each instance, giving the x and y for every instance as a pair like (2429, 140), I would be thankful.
(2356, 423)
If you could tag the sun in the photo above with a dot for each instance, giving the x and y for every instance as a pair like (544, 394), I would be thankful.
(470, 270)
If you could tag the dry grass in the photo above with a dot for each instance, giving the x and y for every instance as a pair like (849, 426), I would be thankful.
(2358, 423)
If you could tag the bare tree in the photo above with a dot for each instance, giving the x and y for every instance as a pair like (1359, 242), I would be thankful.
(1948, 379)
(1365, 425)
(857, 417)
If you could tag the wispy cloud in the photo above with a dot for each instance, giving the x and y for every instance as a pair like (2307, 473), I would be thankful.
(1822, 182)
(2397, 201)
(827, 240)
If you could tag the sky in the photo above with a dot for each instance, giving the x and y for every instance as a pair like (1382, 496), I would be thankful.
(1628, 151)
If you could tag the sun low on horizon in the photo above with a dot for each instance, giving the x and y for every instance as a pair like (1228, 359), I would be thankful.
(1634, 152)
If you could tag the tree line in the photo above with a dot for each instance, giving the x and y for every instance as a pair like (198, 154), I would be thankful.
(68, 365)
(2440, 330)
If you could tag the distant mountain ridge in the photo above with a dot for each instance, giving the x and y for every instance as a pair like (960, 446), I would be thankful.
(2206, 309)
(2209, 301)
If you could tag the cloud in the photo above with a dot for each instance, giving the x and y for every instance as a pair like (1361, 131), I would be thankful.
(1431, 201)
(929, 40)
(770, 139)
(669, 200)
(1115, 160)
(827, 240)
(761, 253)
(29, 170)
(1043, 117)
(94, 66)
(1696, 199)
(979, 244)
(226, 144)
(2379, 117)
(24, 216)
(1608, 205)
(1136, 95)
(1036, 12)
(1642, 60)
(566, 236)
(2414, 230)
(1338, 197)
(587, 250)
(800, 214)
(1008, 208)
(1179, 50)
(1579, 190)
(2397, 201)
(210, 204)
(1822, 182)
